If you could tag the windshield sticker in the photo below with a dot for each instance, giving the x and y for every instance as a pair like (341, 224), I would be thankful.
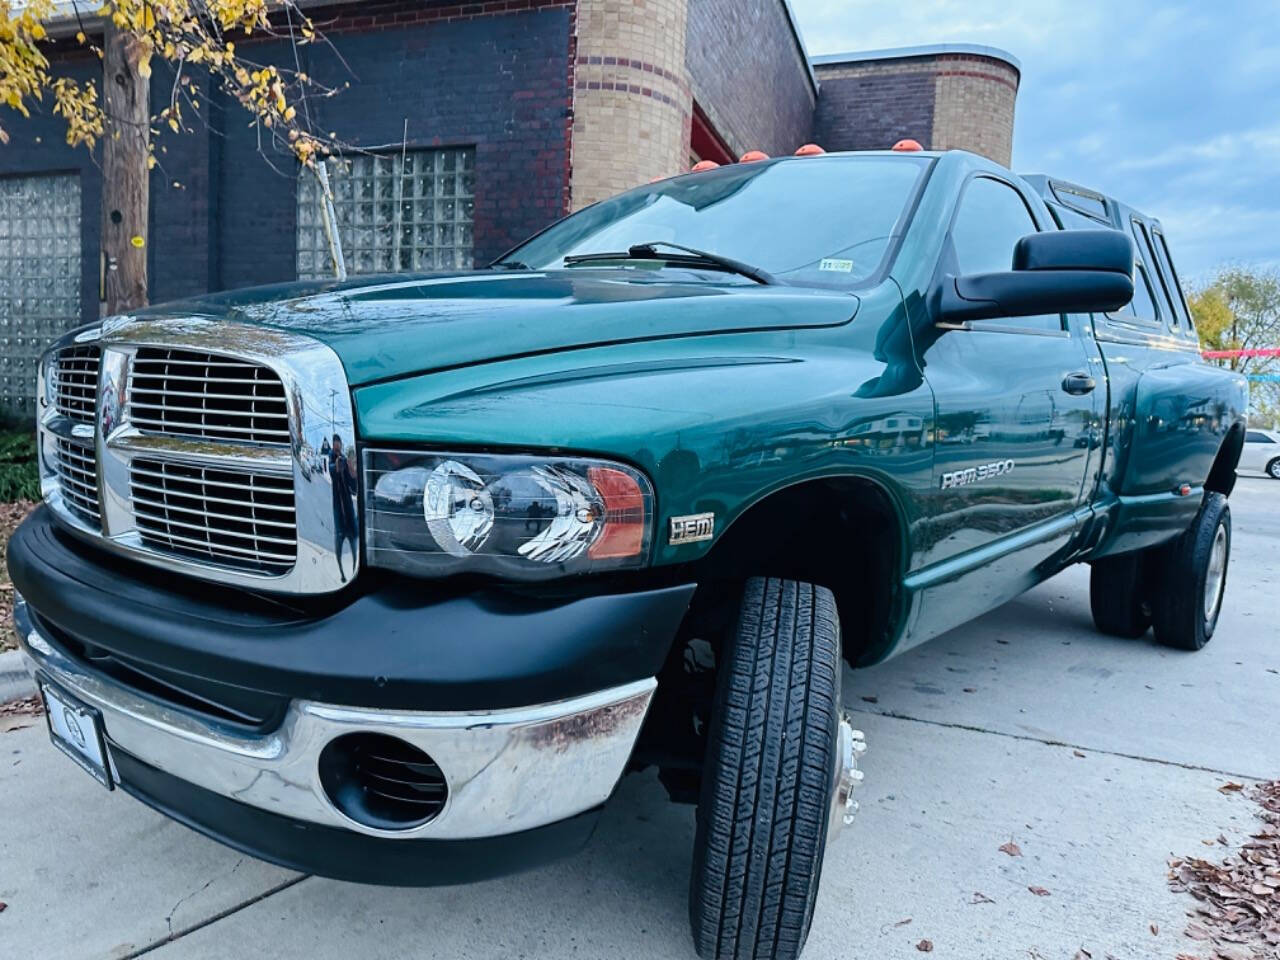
(838, 266)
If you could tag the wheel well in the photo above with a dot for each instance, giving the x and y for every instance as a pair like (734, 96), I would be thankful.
(841, 533)
(1222, 475)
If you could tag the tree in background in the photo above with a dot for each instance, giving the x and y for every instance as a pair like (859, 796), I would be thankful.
(1239, 309)
(192, 36)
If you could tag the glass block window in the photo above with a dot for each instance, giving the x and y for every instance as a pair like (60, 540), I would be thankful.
(396, 212)
(39, 279)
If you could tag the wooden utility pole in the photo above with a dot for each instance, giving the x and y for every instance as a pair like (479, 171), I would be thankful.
(125, 196)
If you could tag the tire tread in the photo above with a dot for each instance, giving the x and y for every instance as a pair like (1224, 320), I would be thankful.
(761, 824)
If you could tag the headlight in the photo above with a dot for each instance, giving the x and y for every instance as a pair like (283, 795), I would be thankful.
(522, 517)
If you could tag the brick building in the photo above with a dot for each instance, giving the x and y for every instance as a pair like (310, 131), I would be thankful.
(484, 121)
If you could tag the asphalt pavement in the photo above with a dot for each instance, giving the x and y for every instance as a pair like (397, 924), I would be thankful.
(1098, 758)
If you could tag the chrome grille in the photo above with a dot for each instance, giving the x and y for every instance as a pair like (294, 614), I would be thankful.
(77, 470)
(200, 446)
(196, 394)
(233, 518)
(75, 382)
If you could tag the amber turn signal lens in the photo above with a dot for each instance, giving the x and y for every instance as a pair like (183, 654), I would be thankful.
(624, 514)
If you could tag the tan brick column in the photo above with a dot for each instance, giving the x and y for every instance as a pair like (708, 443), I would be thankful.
(632, 106)
(973, 105)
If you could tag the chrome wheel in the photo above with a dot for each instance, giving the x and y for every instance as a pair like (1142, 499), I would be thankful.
(1216, 575)
(1273, 468)
(850, 745)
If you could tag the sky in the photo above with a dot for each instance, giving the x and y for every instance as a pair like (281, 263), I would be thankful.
(1173, 108)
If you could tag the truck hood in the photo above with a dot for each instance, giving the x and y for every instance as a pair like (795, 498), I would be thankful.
(389, 327)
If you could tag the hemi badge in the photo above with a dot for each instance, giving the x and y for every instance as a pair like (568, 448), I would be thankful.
(692, 528)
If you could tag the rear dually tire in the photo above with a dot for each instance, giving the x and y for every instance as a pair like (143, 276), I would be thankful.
(1193, 578)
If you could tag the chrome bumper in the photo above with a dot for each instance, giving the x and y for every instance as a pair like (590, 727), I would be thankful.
(506, 770)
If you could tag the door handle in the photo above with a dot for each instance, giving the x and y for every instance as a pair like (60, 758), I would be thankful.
(1078, 384)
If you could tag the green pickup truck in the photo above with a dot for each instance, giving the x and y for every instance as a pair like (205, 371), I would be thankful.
(392, 580)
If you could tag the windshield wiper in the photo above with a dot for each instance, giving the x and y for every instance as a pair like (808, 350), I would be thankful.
(688, 257)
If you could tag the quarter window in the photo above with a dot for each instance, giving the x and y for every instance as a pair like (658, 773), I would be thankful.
(1143, 239)
(410, 211)
(1143, 305)
(1255, 437)
(1166, 266)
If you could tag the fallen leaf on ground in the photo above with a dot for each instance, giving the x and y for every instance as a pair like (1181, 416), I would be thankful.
(1039, 891)
(903, 922)
(981, 898)
(3, 906)
(970, 689)
(1236, 918)
(1011, 848)
(1077, 753)
(1155, 929)
(925, 946)
(1082, 954)
(24, 706)
(871, 699)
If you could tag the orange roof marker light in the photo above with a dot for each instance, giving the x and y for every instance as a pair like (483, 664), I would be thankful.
(907, 146)
(704, 165)
(810, 150)
(754, 156)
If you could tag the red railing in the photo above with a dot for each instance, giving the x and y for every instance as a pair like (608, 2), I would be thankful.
(1228, 354)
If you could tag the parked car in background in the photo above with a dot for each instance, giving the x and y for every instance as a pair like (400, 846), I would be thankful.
(1261, 453)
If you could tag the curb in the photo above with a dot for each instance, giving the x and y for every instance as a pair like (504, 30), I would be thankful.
(15, 682)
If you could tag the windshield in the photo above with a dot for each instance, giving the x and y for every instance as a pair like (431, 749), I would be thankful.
(822, 221)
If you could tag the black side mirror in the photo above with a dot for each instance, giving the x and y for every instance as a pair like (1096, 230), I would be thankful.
(1064, 271)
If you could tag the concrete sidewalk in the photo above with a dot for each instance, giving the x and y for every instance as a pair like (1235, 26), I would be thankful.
(1100, 758)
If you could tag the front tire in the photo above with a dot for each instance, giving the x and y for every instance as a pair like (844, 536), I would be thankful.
(767, 781)
(1273, 469)
(1193, 578)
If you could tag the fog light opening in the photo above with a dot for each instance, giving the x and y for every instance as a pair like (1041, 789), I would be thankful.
(382, 782)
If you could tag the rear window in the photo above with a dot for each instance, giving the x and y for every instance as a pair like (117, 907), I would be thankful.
(1253, 436)
(1069, 219)
(1077, 199)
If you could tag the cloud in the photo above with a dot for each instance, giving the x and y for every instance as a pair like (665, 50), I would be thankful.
(1168, 106)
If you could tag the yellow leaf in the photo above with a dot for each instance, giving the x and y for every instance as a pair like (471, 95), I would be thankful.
(144, 65)
(173, 124)
(37, 31)
(13, 99)
(137, 241)
(151, 162)
(79, 36)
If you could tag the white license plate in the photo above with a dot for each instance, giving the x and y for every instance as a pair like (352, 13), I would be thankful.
(76, 730)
